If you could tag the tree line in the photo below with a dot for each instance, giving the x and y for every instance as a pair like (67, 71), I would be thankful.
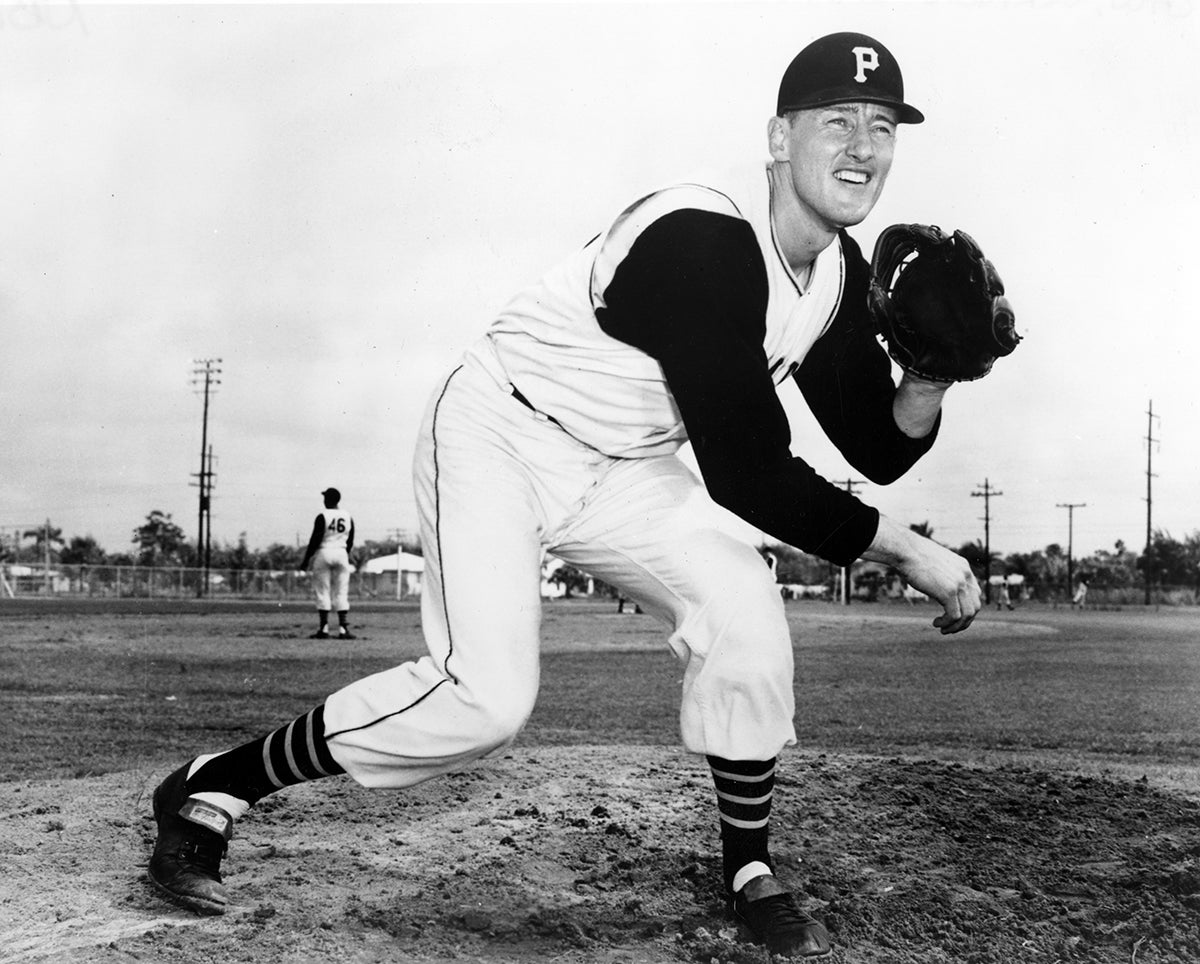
(159, 541)
(1165, 562)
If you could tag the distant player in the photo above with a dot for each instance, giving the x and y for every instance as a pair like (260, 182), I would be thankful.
(1080, 597)
(559, 433)
(329, 551)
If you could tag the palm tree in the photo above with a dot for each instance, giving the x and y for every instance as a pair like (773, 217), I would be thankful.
(45, 538)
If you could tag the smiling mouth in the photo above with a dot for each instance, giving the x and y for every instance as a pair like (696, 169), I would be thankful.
(852, 177)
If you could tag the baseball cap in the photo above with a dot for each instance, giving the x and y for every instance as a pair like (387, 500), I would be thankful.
(842, 68)
(337, 496)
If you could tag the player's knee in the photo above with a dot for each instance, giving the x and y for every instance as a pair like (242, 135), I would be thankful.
(750, 609)
(760, 670)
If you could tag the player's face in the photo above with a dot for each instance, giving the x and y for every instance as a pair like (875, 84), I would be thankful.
(839, 158)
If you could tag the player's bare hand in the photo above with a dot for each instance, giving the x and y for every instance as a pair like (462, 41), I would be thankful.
(961, 610)
(950, 581)
(933, 569)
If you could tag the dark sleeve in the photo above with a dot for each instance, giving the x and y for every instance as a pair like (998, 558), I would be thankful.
(846, 379)
(692, 293)
(350, 537)
(314, 540)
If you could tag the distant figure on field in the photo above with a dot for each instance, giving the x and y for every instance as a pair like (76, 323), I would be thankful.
(1080, 594)
(1004, 599)
(329, 551)
(622, 602)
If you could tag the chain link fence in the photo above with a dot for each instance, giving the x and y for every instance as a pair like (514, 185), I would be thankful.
(146, 582)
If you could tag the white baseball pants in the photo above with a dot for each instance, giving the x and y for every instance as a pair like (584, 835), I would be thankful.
(496, 486)
(331, 579)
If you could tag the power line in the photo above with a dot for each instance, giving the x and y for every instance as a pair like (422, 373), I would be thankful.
(1150, 440)
(207, 369)
(851, 485)
(987, 495)
(1070, 507)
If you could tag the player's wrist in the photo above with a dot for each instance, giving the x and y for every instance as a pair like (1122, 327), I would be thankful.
(892, 544)
(922, 386)
(917, 404)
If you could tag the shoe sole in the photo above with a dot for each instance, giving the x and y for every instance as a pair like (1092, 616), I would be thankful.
(746, 933)
(210, 908)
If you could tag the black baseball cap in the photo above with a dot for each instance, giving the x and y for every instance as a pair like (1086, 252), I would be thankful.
(843, 68)
(334, 494)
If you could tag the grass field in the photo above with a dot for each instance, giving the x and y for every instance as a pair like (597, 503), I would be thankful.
(149, 681)
(1026, 791)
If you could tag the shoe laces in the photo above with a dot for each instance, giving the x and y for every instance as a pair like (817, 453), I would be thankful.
(204, 855)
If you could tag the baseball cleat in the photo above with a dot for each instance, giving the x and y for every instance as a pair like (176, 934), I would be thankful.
(319, 634)
(192, 839)
(772, 915)
(346, 634)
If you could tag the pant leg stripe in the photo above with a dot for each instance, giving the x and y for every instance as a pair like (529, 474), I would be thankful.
(388, 716)
(437, 497)
(437, 512)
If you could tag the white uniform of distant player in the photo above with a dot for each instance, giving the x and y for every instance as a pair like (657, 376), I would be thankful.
(328, 550)
(331, 564)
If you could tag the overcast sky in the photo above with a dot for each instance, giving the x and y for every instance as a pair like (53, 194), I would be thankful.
(334, 200)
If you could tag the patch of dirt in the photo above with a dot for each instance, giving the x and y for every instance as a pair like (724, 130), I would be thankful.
(610, 855)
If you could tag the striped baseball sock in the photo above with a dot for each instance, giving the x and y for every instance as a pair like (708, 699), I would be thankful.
(744, 789)
(237, 779)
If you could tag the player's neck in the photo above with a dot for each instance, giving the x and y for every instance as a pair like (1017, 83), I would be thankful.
(800, 236)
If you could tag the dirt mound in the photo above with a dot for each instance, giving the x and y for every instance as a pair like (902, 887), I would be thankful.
(608, 854)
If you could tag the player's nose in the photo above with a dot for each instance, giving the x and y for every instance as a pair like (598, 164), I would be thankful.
(860, 146)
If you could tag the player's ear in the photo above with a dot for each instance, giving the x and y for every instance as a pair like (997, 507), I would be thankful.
(778, 129)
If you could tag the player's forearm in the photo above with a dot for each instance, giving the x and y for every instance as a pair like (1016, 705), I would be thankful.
(917, 404)
(848, 383)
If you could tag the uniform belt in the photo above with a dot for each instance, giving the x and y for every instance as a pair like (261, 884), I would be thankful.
(516, 393)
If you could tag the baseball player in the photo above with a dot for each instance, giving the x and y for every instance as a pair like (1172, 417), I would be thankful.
(558, 432)
(329, 551)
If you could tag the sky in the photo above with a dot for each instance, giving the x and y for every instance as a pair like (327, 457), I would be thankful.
(334, 200)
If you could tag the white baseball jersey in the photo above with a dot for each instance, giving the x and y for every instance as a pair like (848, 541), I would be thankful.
(615, 396)
(338, 525)
(679, 322)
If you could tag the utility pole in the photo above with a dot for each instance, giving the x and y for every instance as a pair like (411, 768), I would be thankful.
(987, 495)
(851, 485)
(1070, 507)
(46, 556)
(205, 371)
(1150, 440)
(212, 478)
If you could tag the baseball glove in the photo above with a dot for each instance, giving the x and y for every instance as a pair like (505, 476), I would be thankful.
(939, 303)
